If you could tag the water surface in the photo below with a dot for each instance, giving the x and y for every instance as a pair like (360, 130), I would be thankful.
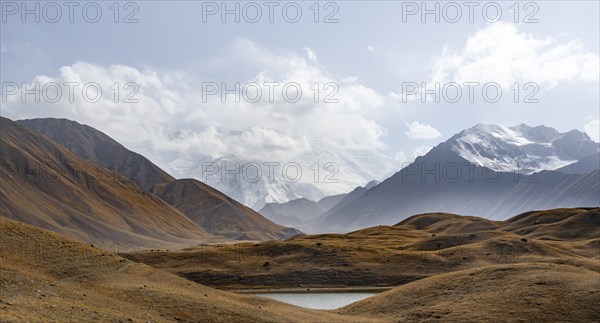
(318, 300)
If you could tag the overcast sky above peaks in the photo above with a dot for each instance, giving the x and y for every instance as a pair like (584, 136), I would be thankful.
(369, 56)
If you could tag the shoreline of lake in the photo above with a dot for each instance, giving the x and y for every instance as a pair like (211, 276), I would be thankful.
(354, 289)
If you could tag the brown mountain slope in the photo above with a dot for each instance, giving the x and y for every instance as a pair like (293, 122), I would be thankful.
(97, 147)
(531, 292)
(205, 206)
(45, 277)
(46, 185)
(218, 213)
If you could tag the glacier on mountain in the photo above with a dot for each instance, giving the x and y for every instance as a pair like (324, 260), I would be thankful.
(521, 148)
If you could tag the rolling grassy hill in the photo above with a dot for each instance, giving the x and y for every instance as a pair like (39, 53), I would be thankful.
(421, 246)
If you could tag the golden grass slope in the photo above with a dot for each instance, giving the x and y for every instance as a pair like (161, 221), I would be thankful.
(528, 292)
(45, 277)
(46, 185)
(560, 224)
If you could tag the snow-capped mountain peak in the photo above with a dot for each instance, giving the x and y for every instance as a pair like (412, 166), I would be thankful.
(521, 148)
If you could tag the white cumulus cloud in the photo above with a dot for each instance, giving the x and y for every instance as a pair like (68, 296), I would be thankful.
(417, 130)
(501, 53)
(328, 109)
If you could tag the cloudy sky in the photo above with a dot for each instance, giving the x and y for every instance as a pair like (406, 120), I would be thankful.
(361, 67)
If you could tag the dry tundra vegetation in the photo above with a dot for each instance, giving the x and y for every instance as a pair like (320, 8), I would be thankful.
(537, 266)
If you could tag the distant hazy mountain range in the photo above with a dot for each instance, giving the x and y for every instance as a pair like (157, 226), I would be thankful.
(305, 214)
(489, 170)
(127, 193)
(341, 169)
